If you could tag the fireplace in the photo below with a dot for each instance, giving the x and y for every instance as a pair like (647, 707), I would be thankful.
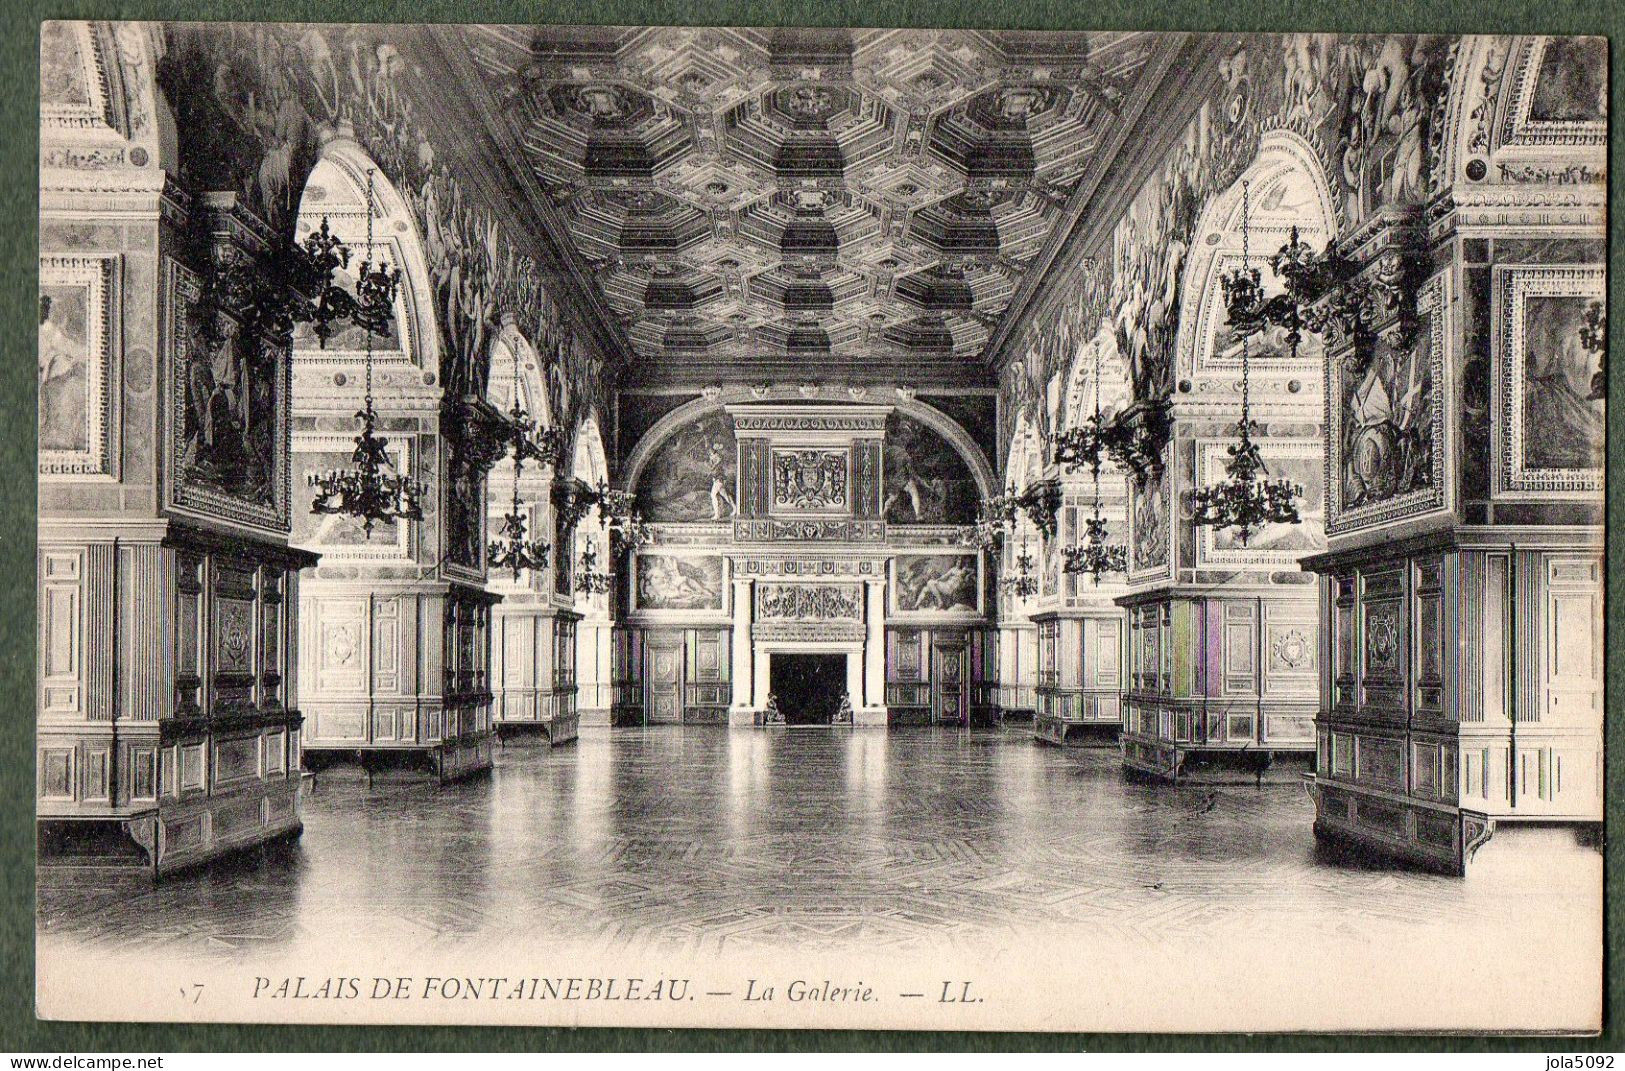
(807, 687)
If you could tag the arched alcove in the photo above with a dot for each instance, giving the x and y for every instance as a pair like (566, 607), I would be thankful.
(329, 381)
(516, 379)
(589, 465)
(1285, 187)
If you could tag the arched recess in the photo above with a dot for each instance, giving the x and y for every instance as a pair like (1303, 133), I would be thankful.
(329, 381)
(1286, 187)
(511, 349)
(336, 192)
(1116, 391)
(1018, 636)
(689, 412)
(593, 639)
(1025, 464)
(588, 464)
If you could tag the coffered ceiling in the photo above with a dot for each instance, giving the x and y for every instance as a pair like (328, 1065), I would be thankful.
(757, 199)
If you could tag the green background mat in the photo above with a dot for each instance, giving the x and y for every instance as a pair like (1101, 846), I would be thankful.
(19, 112)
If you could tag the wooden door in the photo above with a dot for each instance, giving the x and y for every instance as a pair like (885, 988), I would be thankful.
(950, 702)
(663, 678)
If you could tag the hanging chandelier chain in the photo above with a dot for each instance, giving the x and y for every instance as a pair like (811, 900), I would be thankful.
(1247, 499)
(372, 492)
(366, 265)
(1246, 338)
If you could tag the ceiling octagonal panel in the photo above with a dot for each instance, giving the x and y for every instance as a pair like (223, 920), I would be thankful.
(861, 195)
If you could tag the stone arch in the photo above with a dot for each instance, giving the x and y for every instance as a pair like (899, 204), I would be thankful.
(327, 383)
(531, 384)
(1025, 459)
(534, 499)
(1116, 391)
(336, 190)
(1288, 186)
(589, 464)
(931, 417)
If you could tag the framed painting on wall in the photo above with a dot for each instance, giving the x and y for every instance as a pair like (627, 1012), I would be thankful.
(679, 583)
(1548, 436)
(937, 584)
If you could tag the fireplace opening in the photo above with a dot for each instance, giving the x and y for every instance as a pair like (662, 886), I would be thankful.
(808, 687)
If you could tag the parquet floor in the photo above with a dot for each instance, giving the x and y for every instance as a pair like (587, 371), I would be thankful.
(703, 840)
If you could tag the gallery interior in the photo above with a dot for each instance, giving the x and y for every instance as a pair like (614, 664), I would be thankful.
(454, 417)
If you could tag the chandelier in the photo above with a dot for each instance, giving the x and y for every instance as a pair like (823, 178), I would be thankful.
(1095, 556)
(372, 491)
(995, 519)
(614, 505)
(589, 579)
(513, 549)
(1042, 503)
(1024, 584)
(1247, 499)
(1324, 294)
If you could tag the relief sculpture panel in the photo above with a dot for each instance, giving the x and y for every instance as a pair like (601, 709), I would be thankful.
(810, 481)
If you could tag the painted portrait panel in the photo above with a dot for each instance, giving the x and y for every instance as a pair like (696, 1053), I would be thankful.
(693, 475)
(228, 439)
(1563, 427)
(1149, 547)
(679, 582)
(936, 583)
(1050, 567)
(1387, 423)
(927, 482)
(1548, 432)
(465, 510)
(66, 368)
(1571, 83)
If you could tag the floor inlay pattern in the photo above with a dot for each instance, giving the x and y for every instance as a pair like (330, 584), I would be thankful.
(710, 841)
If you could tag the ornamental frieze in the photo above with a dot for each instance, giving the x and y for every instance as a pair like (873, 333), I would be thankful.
(809, 602)
(787, 422)
(750, 567)
(766, 530)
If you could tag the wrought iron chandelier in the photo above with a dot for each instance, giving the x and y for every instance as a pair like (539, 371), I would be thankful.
(372, 491)
(1024, 584)
(1096, 556)
(1247, 499)
(995, 519)
(589, 579)
(513, 549)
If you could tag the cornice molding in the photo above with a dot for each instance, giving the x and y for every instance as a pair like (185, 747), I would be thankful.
(1189, 64)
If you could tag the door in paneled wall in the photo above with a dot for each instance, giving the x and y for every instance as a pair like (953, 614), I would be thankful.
(663, 678)
(950, 701)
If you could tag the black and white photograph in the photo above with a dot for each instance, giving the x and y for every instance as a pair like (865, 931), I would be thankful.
(821, 528)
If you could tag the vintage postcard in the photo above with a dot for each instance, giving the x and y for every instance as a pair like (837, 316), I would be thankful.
(863, 528)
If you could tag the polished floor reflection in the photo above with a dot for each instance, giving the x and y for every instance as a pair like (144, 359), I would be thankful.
(706, 840)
